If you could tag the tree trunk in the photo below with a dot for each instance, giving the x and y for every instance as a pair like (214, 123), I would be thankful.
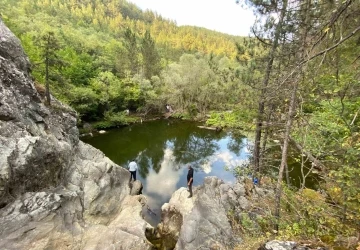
(261, 107)
(286, 170)
(289, 119)
(284, 153)
(47, 83)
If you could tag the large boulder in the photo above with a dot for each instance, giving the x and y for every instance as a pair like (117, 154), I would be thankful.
(172, 218)
(207, 225)
(203, 221)
(200, 221)
(56, 192)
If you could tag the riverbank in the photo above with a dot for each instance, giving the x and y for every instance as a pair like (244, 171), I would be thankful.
(215, 120)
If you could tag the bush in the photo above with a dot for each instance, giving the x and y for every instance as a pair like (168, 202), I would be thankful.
(223, 119)
(114, 120)
(102, 125)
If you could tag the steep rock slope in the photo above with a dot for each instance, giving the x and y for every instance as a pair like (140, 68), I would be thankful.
(206, 220)
(56, 192)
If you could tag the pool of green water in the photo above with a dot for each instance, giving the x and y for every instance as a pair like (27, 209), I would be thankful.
(162, 150)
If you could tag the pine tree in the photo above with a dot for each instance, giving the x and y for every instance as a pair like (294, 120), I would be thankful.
(151, 58)
(132, 50)
(49, 46)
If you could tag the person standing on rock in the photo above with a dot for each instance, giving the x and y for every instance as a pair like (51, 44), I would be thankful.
(190, 178)
(132, 168)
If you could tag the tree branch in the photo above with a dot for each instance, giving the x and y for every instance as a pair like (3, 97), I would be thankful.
(353, 120)
(317, 164)
(257, 37)
(332, 47)
(321, 53)
(332, 21)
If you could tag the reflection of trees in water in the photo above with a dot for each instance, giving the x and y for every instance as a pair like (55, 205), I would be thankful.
(236, 143)
(147, 143)
(143, 163)
(188, 143)
(194, 148)
(187, 148)
(151, 157)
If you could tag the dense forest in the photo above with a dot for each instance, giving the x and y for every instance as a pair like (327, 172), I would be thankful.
(104, 57)
(295, 83)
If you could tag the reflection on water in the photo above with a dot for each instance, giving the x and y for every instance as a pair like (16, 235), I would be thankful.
(163, 149)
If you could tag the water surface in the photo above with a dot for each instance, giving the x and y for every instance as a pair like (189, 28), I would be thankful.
(164, 148)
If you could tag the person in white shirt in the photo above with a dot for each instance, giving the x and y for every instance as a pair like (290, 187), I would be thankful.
(132, 168)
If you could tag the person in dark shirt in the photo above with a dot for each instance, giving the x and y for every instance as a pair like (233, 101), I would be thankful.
(190, 179)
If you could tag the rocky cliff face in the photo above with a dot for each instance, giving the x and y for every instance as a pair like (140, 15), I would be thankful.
(55, 191)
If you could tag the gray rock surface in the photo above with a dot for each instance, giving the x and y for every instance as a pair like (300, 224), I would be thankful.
(136, 187)
(207, 225)
(172, 217)
(10, 48)
(279, 245)
(56, 192)
(202, 222)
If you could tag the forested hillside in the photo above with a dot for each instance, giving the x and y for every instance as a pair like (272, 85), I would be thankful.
(103, 57)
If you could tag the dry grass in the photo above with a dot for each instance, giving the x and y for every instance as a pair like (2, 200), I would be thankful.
(40, 89)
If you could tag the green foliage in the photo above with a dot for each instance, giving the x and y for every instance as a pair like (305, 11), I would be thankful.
(200, 83)
(99, 38)
(249, 226)
(232, 119)
(332, 134)
(223, 119)
(49, 47)
(132, 50)
(308, 214)
(102, 125)
(78, 68)
(182, 115)
(112, 120)
(151, 58)
(243, 170)
(85, 101)
(119, 119)
(344, 190)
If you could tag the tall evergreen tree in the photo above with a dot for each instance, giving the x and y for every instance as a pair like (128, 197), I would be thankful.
(151, 58)
(132, 50)
(49, 47)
